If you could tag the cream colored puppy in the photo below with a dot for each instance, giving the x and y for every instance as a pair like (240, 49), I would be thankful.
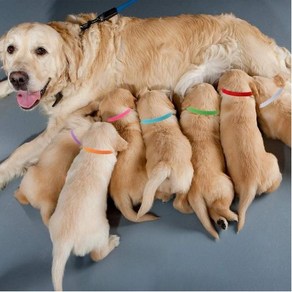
(79, 223)
(168, 151)
(42, 183)
(273, 98)
(252, 169)
(211, 192)
(129, 175)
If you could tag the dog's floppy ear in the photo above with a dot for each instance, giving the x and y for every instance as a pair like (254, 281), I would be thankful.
(121, 144)
(71, 47)
(279, 80)
(254, 86)
(142, 91)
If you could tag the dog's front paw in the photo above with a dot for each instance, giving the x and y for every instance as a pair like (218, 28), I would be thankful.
(114, 240)
(3, 181)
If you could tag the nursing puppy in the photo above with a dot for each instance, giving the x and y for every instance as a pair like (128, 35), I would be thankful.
(252, 170)
(43, 182)
(79, 223)
(168, 151)
(211, 192)
(273, 98)
(129, 175)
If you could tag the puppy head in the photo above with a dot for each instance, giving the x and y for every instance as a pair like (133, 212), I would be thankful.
(238, 81)
(266, 87)
(154, 101)
(202, 96)
(38, 61)
(116, 102)
(109, 136)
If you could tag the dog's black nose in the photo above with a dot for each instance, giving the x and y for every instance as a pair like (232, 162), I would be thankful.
(19, 80)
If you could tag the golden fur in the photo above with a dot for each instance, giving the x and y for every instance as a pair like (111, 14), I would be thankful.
(79, 223)
(211, 192)
(274, 119)
(127, 51)
(168, 152)
(252, 170)
(129, 176)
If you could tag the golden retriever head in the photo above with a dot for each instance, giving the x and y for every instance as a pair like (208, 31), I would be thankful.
(38, 60)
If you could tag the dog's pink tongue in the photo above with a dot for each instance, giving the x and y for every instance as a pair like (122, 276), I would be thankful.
(27, 99)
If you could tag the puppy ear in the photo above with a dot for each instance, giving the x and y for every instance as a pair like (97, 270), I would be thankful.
(70, 35)
(142, 91)
(254, 88)
(279, 80)
(121, 144)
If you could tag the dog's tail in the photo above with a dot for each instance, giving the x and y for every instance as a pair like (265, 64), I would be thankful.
(60, 257)
(245, 199)
(124, 204)
(158, 175)
(217, 59)
(199, 206)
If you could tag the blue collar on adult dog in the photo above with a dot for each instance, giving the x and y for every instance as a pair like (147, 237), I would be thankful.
(156, 120)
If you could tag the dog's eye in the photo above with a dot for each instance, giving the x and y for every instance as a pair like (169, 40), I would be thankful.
(41, 51)
(10, 49)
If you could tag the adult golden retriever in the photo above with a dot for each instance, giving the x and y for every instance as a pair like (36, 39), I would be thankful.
(43, 61)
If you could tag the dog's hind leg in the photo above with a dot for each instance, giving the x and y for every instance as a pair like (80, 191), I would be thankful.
(220, 213)
(181, 203)
(100, 253)
(199, 206)
(21, 198)
(47, 210)
(124, 204)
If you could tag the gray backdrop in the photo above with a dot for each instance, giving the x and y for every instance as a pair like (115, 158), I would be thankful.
(174, 253)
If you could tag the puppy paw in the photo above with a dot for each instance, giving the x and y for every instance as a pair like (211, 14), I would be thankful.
(222, 222)
(114, 240)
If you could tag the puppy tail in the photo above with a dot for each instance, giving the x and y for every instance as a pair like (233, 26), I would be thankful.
(124, 204)
(158, 175)
(60, 257)
(245, 199)
(200, 208)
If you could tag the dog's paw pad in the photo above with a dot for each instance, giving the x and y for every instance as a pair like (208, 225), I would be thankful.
(222, 223)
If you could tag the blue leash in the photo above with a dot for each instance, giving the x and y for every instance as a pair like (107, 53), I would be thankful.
(107, 14)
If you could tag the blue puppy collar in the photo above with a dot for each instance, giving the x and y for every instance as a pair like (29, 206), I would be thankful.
(156, 120)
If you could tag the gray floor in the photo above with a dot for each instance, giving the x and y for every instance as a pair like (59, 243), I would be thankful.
(174, 253)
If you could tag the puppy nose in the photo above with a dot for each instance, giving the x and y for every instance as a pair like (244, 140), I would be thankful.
(19, 80)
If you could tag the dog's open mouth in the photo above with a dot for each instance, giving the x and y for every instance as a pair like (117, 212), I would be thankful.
(28, 100)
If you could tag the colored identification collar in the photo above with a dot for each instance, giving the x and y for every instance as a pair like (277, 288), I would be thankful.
(119, 116)
(272, 98)
(89, 149)
(235, 93)
(156, 120)
(201, 112)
